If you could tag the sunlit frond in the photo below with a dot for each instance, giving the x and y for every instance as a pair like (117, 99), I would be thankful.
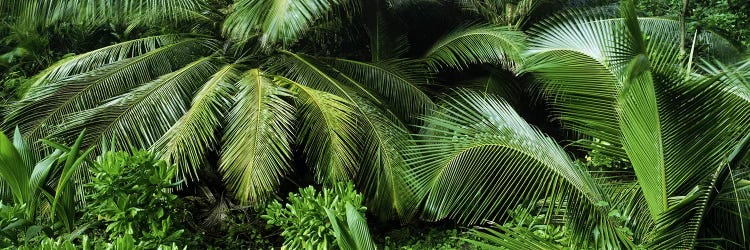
(328, 131)
(258, 138)
(188, 141)
(142, 116)
(399, 83)
(49, 105)
(277, 21)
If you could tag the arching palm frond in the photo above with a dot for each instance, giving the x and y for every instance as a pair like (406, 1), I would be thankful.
(383, 170)
(476, 44)
(97, 58)
(37, 13)
(675, 126)
(380, 149)
(328, 130)
(189, 139)
(258, 138)
(278, 21)
(140, 117)
(398, 83)
(477, 158)
(47, 105)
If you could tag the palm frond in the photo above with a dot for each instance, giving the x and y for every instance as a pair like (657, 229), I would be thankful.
(278, 21)
(381, 161)
(186, 143)
(256, 151)
(500, 237)
(476, 158)
(477, 44)
(142, 116)
(48, 105)
(328, 132)
(39, 13)
(383, 169)
(97, 58)
(397, 83)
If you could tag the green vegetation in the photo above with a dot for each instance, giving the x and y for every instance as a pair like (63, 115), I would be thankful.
(391, 124)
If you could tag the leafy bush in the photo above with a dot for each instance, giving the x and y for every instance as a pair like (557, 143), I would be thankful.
(304, 219)
(130, 194)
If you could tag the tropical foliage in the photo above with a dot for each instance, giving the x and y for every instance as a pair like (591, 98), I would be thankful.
(545, 124)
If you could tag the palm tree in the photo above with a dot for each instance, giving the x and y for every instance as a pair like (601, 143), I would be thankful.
(680, 120)
(247, 95)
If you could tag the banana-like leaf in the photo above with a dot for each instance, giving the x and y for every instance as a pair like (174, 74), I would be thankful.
(351, 232)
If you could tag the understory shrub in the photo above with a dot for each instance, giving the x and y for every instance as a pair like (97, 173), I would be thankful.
(129, 196)
(305, 220)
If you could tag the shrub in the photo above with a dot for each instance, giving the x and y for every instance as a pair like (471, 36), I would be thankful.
(130, 194)
(304, 218)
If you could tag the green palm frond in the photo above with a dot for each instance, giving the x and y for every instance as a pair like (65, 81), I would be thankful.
(383, 169)
(328, 131)
(256, 151)
(704, 118)
(277, 21)
(37, 13)
(47, 105)
(500, 237)
(397, 83)
(97, 58)
(477, 158)
(729, 217)
(475, 44)
(383, 138)
(189, 139)
(142, 116)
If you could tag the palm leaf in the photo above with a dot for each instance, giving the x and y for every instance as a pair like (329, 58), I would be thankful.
(47, 105)
(189, 139)
(278, 21)
(397, 83)
(256, 151)
(381, 161)
(328, 132)
(476, 158)
(140, 117)
(477, 44)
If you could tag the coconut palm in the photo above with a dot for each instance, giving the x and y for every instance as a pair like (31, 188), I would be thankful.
(257, 98)
(680, 120)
